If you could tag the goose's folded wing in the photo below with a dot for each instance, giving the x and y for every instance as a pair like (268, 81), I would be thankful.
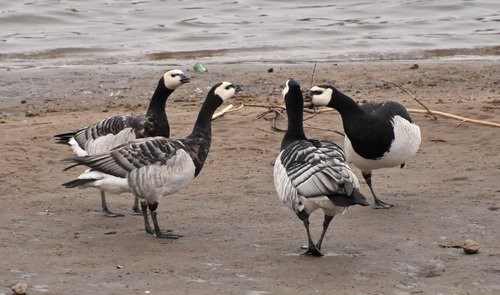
(136, 154)
(318, 168)
(109, 141)
(112, 125)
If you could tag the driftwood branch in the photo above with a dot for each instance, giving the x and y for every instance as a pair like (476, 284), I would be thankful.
(459, 118)
(312, 76)
(282, 107)
(324, 129)
(269, 106)
(274, 120)
(278, 110)
(413, 96)
(222, 112)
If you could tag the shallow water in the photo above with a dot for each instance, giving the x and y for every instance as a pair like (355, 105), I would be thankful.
(251, 30)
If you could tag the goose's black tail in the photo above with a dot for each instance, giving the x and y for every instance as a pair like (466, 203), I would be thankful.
(64, 138)
(356, 198)
(77, 183)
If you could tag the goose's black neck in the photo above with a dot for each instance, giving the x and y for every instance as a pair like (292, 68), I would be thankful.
(295, 110)
(345, 105)
(201, 137)
(158, 100)
(203, 124)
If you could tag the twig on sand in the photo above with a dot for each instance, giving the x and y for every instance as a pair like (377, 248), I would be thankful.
(269, 106)
(413, 96)
(274, 120)
(280, 108)
(452, 116)
(320, 111)
(222, 112)
(312, 76)
(324, 129)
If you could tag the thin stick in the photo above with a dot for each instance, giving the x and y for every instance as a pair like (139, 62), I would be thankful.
(264, 106)
(324, 129)
(275, 108)
(320, 111)
(310, 117)
(452, 116)
(262, 115)
(235, 109)
(222, 112)
(274, 121)
(312, 76)
(413, 96)
(282, 107)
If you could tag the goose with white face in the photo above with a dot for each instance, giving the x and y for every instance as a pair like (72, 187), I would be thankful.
(378, 135)
(120, 129)
(156, 166)
(227, 90)
(311, 174)
(175, 78)
(320, 96)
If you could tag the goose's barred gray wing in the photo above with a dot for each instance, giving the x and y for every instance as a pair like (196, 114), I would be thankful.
(112, 125)
(117, 130)
(140, 153)
(155, 167)
(318, 168)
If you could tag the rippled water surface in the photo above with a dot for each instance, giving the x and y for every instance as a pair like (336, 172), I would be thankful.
(249, 30)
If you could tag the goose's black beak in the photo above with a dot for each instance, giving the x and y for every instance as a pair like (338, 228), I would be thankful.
(307, 100)
(185, 79)
(237, 88)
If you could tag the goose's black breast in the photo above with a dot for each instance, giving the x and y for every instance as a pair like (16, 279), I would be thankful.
(372, 133)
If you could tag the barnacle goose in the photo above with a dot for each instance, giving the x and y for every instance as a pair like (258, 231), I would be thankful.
(310, 174)
(117, 130)
(378, 135)
(155, 167)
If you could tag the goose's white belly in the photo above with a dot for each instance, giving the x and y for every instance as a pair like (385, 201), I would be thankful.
(406, 142)
(105, 182)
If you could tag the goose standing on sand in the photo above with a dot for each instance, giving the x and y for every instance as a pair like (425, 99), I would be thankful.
(378, 135)
(311, 174)
(117, 130)
(155, 167)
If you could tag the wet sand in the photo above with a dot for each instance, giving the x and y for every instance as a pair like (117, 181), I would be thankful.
(238, 237)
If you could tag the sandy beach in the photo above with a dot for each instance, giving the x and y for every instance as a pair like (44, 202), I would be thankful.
(238, 237)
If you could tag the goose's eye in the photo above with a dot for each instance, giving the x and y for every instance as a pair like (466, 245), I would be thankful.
(229, 86)
(174, 75)
(316, 92)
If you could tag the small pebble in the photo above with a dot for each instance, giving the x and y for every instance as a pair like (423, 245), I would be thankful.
(31, 114)
(414, 67)
(470, 247)
(20, 288)
(270, 70)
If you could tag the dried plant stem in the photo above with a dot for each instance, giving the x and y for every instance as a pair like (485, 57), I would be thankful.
(222, 112)
(274, 123)
(324, 129)
(320, 111)
(433, 113)
(413, 96)
(270, 106)
(278, 110)
(312, 76)
(452, 116)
